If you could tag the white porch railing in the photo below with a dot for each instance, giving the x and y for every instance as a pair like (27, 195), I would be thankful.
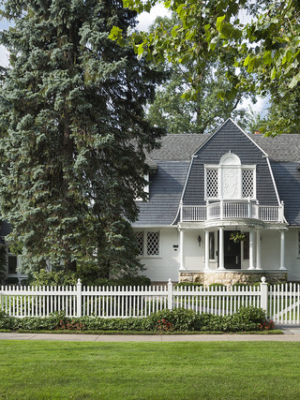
(232, 210)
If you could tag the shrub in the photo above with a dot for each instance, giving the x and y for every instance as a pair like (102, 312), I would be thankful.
(252, 314)
(217, 286)
(240, 285)
(246, 319)
(266, 325)
(11, 281)
(189, 284)
(53, 278)
(180, 320)
(124, 281)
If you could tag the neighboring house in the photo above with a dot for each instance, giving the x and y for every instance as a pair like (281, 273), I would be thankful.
(223, 207)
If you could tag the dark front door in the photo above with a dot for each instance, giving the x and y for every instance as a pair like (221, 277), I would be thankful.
(232, 252)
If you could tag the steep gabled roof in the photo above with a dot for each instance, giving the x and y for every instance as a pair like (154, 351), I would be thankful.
(174, 156)
(230, 138)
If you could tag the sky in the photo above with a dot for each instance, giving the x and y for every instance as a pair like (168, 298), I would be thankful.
(145, 20)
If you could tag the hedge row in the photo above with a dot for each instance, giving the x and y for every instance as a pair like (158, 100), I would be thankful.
(246, 319)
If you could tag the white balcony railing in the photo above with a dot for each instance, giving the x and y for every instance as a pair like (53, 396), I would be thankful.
(232, 210)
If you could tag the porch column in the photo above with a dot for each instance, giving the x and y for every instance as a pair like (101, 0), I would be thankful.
(181, 259)
(206, 253)
(251, 249)
(258, 249)
(282, 250)
(221, 248)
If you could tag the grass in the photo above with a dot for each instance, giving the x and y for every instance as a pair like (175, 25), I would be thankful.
(144, 370)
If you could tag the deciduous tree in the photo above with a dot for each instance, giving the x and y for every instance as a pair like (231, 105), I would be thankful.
(266, 42)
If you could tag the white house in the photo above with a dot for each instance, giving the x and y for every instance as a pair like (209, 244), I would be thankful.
(223, 207)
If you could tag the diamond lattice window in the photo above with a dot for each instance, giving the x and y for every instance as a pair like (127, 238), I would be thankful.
(247, 183)
(152, 243)
(140, 242)
(212, 183)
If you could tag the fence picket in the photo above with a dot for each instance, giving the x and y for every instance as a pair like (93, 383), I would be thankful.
(282, 302)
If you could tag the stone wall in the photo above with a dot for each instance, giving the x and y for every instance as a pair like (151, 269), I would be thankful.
(229, 278)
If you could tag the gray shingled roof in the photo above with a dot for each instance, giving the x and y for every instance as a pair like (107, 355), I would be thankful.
(180, 147)
(285, 147)
(165, 189)
(173, 159)
(287, 178)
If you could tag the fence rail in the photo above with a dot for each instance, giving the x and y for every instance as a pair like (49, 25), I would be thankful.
(281, 302)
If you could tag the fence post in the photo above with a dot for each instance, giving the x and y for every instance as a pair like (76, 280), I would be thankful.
(170, 295)
(79, 302)
(264, 294)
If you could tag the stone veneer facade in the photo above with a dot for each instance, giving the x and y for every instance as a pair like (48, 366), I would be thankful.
(229, 278)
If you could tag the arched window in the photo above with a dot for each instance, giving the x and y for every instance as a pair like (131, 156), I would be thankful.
(230, 180)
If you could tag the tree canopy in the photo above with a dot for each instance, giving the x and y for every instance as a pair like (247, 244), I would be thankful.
(265, 43)
(73, 131)
(204, 111)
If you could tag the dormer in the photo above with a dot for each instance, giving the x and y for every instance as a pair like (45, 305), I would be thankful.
(230, 179)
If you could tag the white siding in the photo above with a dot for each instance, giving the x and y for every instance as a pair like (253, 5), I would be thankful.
(165, 266)
(292, 259)
(193, 253)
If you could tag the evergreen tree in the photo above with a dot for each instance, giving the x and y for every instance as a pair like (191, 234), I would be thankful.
(73, 134)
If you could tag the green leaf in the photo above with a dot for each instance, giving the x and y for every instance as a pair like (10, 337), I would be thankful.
(219, 22)
(116, 35)
(294, 82)
(273, 73)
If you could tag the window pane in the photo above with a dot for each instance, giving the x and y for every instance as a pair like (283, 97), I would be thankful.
(152, 243)
(211, 245)
(12, 264)
(247, 183)
(140, 242)
(212, 183)
(246, 246)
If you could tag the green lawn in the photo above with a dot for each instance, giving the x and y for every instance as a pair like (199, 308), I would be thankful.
(186, 370)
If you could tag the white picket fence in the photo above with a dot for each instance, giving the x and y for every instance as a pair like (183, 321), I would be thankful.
(282, 303)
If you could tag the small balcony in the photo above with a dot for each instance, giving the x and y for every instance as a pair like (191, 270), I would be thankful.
(230, 210)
